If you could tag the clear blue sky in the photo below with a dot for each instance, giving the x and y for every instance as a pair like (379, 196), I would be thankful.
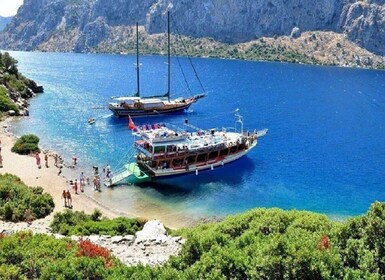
(9, 7)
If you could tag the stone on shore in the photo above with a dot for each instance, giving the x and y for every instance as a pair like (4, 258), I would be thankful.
(150, 246)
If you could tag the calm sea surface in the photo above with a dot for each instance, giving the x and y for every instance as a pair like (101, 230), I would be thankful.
(325, 150)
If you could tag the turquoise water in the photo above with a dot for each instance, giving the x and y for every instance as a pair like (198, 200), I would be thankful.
(325, 150)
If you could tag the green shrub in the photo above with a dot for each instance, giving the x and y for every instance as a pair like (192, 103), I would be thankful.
(79, 223)
(26, 144)
(259, 244)
(16, 197)
(14, 83)
(6, 103)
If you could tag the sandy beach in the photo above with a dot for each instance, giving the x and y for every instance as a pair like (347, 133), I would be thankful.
(26, 169)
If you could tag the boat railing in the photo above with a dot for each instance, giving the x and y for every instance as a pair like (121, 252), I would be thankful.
(144, 150)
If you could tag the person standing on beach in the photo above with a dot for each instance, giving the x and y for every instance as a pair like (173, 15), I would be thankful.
(76, 186)
(46, 160)
(38, 163)
(74, 159)
(55, 158)
(60, 170)
(98, 183)
(69, 199)
(64, 195)
(1, 161)
(82, 181)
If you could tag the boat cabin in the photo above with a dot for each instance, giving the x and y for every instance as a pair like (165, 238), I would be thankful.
(163, 148)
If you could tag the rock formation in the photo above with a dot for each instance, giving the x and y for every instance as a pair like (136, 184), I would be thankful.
(86, 25)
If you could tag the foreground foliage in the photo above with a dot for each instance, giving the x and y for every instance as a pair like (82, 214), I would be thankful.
(16, 197)
(260, 244)
(26, 144)
(79, 223)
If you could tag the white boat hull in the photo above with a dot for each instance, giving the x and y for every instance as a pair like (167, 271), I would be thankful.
(196, 168)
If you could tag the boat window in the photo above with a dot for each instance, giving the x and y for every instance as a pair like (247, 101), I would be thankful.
(159, 149)
(224, 152)
(171, 148)
(177, 162)
(213, 155)
(201, 157)
(233, 149)
(190, 159)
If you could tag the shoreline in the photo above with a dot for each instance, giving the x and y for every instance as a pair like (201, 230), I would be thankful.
(24, 167)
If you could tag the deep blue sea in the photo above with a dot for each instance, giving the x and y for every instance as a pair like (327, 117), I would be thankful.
(325, 150)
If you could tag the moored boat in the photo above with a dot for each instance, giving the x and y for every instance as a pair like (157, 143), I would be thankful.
(163, 152)
(138, 105)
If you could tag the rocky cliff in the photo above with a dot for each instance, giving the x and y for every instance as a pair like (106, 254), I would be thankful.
(4, 21)
(86, 25)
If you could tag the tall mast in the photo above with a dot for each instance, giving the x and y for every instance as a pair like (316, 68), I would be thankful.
(137, 61)
(168, 56)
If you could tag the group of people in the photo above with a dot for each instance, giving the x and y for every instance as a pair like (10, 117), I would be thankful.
(78, 185)
(67, 198)
(38, 160)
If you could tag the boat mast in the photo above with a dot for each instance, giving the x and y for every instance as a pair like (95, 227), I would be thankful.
(137, 61)
(168, 56)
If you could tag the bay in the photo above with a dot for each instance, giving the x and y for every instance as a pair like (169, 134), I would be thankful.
(325, 150)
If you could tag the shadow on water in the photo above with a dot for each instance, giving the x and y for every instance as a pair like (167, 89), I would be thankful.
(232, 175)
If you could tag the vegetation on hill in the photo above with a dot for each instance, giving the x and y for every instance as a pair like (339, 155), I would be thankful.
(16, 198)
(79, 223)
(260, 244)
(14, 87)
(26, 144)
(206, 47)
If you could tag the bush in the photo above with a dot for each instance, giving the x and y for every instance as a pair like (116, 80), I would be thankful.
(6, 103)
(259, 244)
(16, 197)
(79, 223)
(26, 144)
(27, 256)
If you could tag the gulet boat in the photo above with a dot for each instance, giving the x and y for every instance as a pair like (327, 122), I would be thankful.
(162, 152)
(137, 105)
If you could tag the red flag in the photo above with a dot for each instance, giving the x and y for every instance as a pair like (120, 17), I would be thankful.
(131, 124)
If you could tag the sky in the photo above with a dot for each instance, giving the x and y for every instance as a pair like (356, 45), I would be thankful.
(9, 7)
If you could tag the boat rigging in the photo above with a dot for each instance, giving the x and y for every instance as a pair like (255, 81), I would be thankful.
(137, 105)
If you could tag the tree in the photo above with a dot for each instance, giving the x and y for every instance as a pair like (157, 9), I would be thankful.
(10, 64)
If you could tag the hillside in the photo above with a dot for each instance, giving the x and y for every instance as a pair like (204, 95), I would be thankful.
(106, 26)
(15, 89)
